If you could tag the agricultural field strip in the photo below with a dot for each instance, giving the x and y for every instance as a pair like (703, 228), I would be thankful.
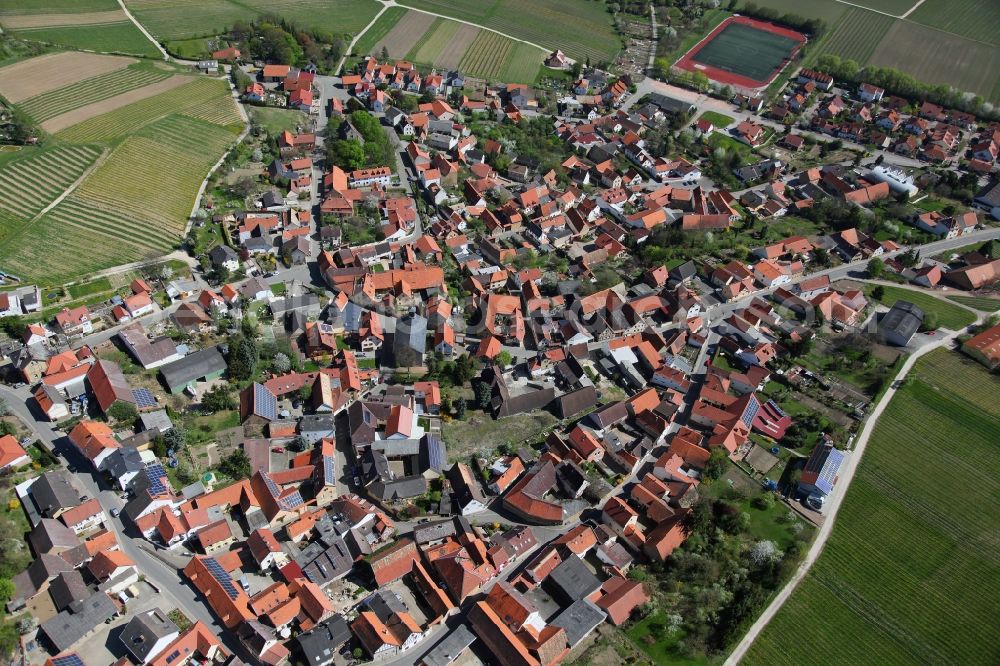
(451, 56)
(128, 119)
(28, 185)
(912, 603)
(583, 32)
(27, 22)
(49, 105)
(366, 41)
(972, 19)
(35, 76)
(486, 56)
(433, 42)
(405, 34)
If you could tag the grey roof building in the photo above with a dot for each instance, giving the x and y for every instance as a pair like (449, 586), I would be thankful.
(69, 627)
(573, 580)
(399, 489)
(67, 589)
(53, 493)
(147, 634)
(221, 254)
(314, 427)
(158, 420)
(320, 644)
(898, 325)
(581, 618)
(450, 648)
(206, 364)
(322, 566)
(51, 535)
(409, 343)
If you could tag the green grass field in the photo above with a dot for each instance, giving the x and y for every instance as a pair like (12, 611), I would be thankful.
(185, 19)
(895, 7)
(746, 51)
(718, 119)
(981, 303)
(823, 9)
(121, 37)
(51, 104)
(580, 29)
(910, 574)
(976, 19)
(949, 316)
(277, 120)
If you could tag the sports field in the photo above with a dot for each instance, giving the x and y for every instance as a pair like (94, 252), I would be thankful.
(118, 183)
(442, 43)
(97, 25)
(743, 52)
(911, 572)
(581, 29)
(185, 19)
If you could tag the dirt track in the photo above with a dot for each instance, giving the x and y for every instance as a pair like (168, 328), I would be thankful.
(55, 20)
(48, 72)
(75, 116)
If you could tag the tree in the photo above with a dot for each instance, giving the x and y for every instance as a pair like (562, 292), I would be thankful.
(931, 322)
(384, 54)
(6, 589)
(175, 438)
(236, 465)
(281, 363)
(349, 155)
(716, 465)
(4, 409)
(878, 293)
(243, 356)
(483, 395)
(460, 408)
(218, 399)
(123, 412)
(298, 444)
(876, 267)
(504, 359)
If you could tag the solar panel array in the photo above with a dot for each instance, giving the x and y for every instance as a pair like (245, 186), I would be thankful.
(329, 470)
(265, 404)
(828, 475)
(144, 398)
(222, 576)
(157, 479)
(272, 487)
(68, 660)
(750, 412)
(778, 410)
(291, 501)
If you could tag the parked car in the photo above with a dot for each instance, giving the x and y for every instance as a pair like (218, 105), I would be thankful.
(115, 512)
(278, 449)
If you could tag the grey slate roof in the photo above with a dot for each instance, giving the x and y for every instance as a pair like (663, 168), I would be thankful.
(321, 643)
(579, 620)
(450, 647)
(67, 628)
(53, 492)
(143, 631)
(193, 367)
(573, 580)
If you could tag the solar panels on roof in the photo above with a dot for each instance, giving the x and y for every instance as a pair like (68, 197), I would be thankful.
(157, 479)
(68, 660)
(265, 404)
(329, 470)
(144, 399)
(222, 576)
(750, 412)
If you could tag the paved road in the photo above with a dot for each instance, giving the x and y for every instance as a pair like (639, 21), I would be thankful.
(833, 506)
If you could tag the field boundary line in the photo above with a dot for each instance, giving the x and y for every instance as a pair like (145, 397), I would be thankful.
(483, 27)
(350, 47)
(827, 528)
(912, 9)
(142, 29)
(72, 186)
(854, 4)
